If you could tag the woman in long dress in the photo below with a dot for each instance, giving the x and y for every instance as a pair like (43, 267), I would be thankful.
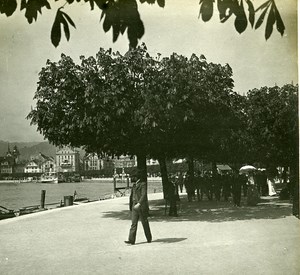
(271, 188)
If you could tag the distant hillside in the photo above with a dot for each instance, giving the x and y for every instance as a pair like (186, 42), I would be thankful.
(4, 145)
(44, 147)
(28, 149)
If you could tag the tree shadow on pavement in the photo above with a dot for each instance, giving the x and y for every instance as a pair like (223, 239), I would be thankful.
(213, 211)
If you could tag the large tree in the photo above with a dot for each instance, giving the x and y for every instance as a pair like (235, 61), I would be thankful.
(123, 15)
(134, 104)
(187, 108)
(95, 104)
(273, 124)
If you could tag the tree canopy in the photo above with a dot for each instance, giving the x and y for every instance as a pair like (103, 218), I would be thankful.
(123, 15)
(273, 124)
(134, 104)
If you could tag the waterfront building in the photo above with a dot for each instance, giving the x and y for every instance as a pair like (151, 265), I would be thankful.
(48, 165)
(9, 161)
(33, 166)
(7, 165)
(91, 161)
(124, 161)
(67, 160)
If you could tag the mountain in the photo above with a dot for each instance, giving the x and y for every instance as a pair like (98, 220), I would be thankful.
(4, 145)
(28, 149)
(44, 147)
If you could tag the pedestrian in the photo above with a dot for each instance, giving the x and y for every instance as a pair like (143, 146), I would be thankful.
(138, 204)
(252, 192)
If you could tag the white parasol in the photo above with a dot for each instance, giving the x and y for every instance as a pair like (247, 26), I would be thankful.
(247, 169)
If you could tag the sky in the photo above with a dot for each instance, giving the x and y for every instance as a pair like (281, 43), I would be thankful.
(25, 48)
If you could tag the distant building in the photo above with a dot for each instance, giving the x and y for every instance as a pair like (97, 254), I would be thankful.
(67, 160)
(48, 165)
(124, 161)
(7, 164)
(9, 161)
(45, 163)
(33, 166)
(91, 161)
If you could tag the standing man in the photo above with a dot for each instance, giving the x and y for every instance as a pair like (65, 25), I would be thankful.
(138, 204)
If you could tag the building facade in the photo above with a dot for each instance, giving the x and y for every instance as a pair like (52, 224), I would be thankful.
(9, 161)
(67, 160)
(91, 162)
(33, 166)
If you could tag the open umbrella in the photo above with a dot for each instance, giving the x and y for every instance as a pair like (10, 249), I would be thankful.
(247, 169)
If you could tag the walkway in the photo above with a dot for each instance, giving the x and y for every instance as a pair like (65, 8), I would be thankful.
(207, 238)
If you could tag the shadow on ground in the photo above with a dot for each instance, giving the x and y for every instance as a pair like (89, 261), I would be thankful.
(165, 240)
(213, 211)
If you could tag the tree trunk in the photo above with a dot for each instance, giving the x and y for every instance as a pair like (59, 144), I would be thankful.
(164, 175)
(191, 168)
(141, 167)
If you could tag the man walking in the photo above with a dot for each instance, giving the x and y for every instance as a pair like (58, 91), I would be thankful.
(138, 204)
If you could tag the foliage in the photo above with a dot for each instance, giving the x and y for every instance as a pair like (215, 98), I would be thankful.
(132, 104)
(188, 106)
(122, 15)
(273, 124)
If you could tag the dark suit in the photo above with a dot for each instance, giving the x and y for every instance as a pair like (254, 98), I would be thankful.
(139, 195)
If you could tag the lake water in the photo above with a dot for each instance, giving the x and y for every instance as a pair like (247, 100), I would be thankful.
(17, 195)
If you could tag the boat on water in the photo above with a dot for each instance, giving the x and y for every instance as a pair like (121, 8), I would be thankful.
(49, 177)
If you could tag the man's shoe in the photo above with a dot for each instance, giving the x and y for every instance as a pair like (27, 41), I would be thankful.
(149, 241)
(128, 242)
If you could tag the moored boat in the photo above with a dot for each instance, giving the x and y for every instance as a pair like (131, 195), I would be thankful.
(49, 178)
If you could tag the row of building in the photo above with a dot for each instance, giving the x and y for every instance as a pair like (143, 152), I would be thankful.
(66, 160)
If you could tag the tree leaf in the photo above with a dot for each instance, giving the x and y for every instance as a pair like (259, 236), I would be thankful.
(251, 12)
(261, 18)
(267, 3)
(225, 8)
(107, 23)
(279, 23)
(55, 31)
(206, 9)
(241, 22)
(270, 23)
(66, 28)
(32, 7)
(116, 31)
(8, 7)
(23, 4)
(68, 18)
(161, 3)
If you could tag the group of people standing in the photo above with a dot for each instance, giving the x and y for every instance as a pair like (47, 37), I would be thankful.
(218, 186)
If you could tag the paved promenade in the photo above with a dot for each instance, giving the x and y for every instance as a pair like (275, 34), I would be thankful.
(206, 238)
